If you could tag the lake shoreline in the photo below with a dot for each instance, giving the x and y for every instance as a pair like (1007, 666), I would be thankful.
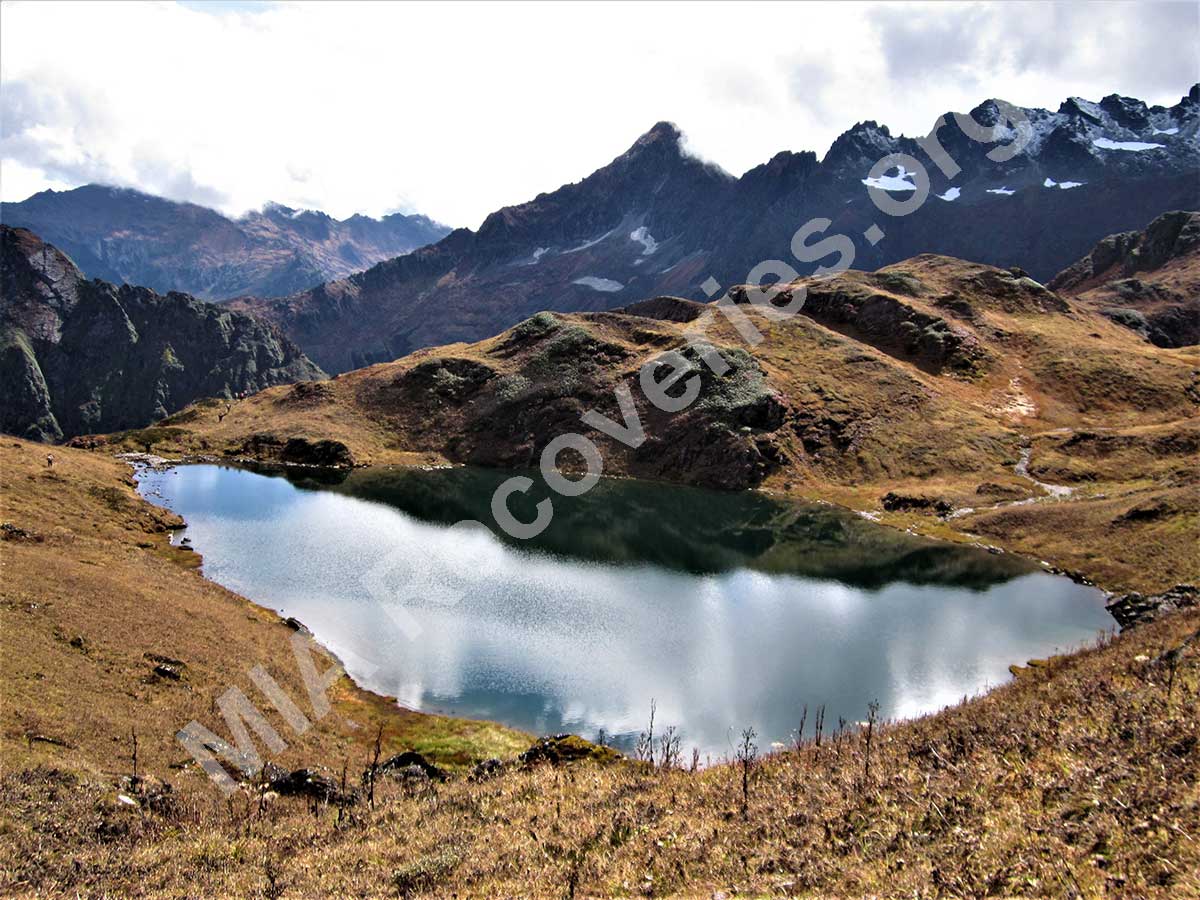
(452, 704)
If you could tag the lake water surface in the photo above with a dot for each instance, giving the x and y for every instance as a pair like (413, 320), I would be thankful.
(727, 609)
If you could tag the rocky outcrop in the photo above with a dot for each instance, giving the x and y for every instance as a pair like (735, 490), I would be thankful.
(80, 357)
(1137, 609)
(410, 759)
(125, 236)
(887, 322)
(313, 783)
(665, 309)
(1171, 236)
(297, 451)
(1148, 281)
(894, 501)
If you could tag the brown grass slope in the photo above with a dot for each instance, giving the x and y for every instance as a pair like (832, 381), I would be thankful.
(926, 378)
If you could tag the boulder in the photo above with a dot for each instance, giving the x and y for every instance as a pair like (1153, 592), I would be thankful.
(167, 667)
(410, 758)
(10, 532)
(487, 769)
(311, 783)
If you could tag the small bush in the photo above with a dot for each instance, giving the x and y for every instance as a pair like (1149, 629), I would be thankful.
(425, 872)
(510, 387)
(535, 327)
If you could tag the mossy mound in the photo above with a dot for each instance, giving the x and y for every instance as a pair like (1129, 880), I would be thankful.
(567, 748)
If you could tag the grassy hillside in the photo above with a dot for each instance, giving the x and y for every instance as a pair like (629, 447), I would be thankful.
(980, 405)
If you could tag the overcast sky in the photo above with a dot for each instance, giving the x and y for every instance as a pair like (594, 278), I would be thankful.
(456, 110)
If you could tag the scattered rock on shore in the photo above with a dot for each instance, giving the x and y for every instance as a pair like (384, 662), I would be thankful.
(1136, 609)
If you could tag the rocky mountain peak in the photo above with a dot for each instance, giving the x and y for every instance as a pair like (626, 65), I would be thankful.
(857, 149)
(1077, 107)
(1126, 111)
(660, 132)
(661, 144)
(280, 212)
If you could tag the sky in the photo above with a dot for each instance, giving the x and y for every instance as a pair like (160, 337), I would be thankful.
(456, 110)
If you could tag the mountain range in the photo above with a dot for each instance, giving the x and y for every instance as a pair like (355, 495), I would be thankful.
(81, 357)
(660, 221)
(126, 236)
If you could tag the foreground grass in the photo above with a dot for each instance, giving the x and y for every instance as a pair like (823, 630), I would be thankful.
(1079, 779)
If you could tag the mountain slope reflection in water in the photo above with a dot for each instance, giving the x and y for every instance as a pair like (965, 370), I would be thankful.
(727, 609)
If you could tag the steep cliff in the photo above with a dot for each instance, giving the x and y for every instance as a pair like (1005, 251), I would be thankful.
(79, 356)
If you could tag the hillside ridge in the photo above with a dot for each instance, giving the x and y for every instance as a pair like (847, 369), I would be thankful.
(126, 236)
(953, 386)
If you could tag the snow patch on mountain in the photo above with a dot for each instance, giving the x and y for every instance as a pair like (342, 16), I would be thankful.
(951, 194)
(591, 243)
(1062, 185)
(642, 236)
(1165, 131)
(599, 284)
(1003, 191)
(888, 182)
(1134, 146)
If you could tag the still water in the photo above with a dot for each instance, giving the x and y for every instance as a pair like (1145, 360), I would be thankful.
(728, 610)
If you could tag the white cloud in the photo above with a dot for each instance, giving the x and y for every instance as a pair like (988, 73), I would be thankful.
(459, 109)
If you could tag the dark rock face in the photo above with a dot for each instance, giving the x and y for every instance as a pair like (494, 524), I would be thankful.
(656, 221)
(125, 236)
(1148, 281)
(80, 357)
